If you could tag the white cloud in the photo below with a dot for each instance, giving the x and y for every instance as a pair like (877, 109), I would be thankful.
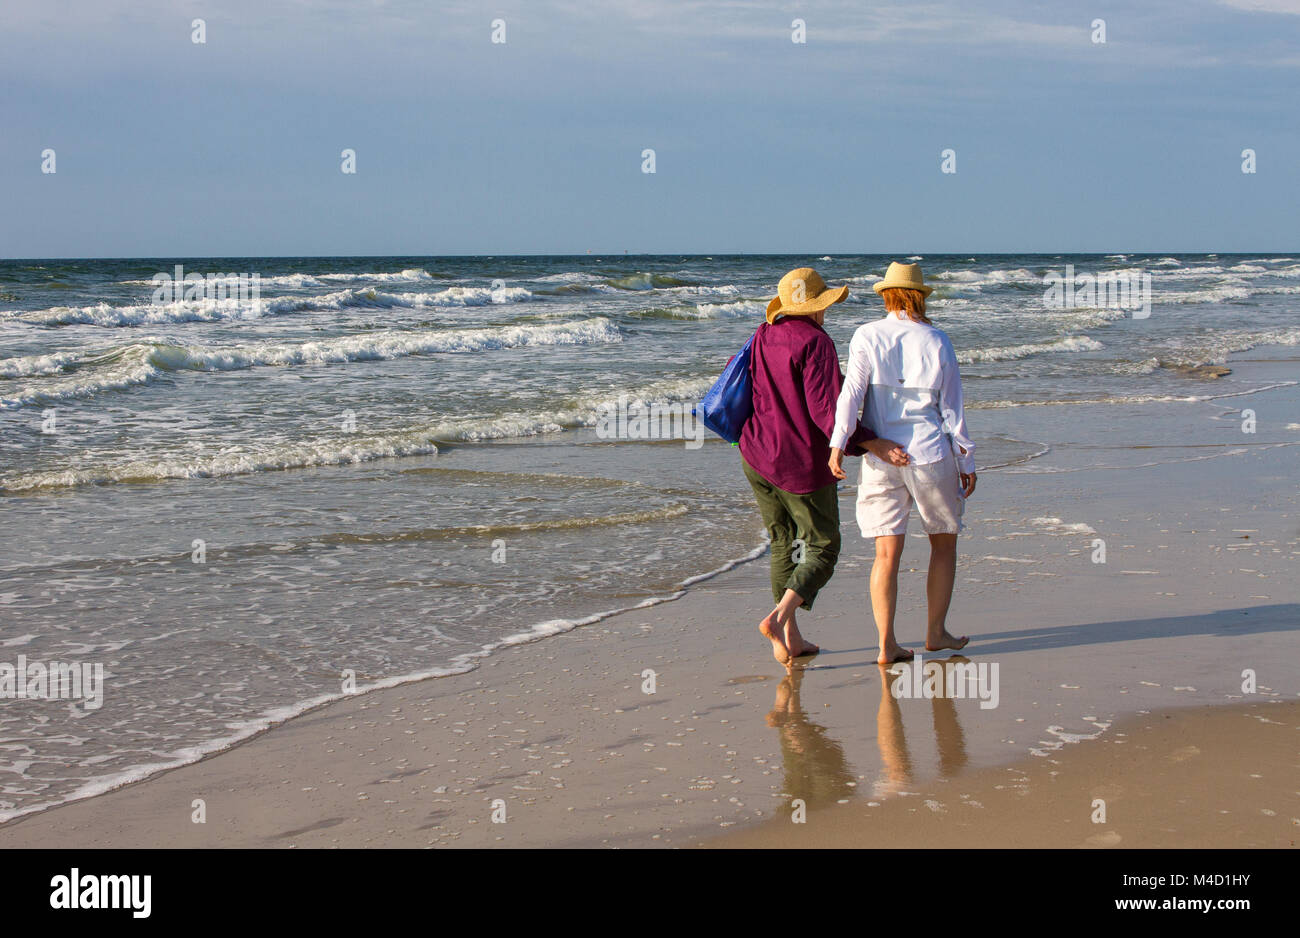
(835, 21)
(1265, 6)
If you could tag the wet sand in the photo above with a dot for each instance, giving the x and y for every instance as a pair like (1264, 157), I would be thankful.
(1205, 777)
(672, 725)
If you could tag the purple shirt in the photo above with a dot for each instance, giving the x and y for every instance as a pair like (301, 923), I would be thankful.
(797, 382)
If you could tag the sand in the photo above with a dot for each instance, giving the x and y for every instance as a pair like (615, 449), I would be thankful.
(1209, 776)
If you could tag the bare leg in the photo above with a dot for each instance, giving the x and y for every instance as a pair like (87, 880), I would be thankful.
(938, 592)
(884, 596)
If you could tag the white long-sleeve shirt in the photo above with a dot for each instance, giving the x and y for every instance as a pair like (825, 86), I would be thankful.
(907, 372)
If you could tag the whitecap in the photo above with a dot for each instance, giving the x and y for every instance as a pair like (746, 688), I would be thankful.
(1073, 343)
(146, 361)
(209, 310)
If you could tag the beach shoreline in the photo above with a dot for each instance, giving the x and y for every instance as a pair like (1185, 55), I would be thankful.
(564, 737)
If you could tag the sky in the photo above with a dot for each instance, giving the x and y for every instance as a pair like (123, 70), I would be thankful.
(165, 147)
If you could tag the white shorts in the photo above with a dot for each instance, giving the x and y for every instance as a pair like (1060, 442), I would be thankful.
(886, 493)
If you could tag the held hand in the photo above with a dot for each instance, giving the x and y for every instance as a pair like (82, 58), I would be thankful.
(836, 462)
(967, 484)
(887, 451)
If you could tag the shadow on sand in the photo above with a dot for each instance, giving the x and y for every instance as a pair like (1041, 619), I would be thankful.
(1252, 620)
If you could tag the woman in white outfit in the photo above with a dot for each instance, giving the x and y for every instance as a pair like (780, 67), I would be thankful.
(906, 371)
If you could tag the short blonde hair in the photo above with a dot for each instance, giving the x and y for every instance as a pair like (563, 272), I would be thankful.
(911, 302)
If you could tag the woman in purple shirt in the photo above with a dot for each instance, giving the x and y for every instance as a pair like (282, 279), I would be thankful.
(785, 448)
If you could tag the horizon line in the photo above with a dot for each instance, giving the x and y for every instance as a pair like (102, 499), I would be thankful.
(830, 254)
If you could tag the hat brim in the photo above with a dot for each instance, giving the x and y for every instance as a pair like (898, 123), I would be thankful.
(886, 285)
(828, 297)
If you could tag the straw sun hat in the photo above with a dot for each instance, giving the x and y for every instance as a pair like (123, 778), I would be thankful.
(802, 292)
(904, 276)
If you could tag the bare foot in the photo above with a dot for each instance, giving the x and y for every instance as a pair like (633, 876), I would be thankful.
(770, 630)
(795, 640)
(947, 641)
(895, 652)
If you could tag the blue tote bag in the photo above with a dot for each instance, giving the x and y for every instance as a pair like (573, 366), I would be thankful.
(730, 402)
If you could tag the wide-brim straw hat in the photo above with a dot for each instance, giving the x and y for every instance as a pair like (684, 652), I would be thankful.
(903, 277)
(802, 292)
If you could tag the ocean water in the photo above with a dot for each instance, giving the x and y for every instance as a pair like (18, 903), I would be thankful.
(385, 468)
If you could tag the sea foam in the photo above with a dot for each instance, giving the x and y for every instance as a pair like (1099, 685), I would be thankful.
(1073, 343)
(103, 314)
(142, 362)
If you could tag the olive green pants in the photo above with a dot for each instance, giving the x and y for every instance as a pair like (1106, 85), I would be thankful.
(805, 532)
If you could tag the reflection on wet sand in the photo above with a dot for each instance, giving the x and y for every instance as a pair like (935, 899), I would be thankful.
(950, 741)
(948, 735)
(895, 761)
(816, 770)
